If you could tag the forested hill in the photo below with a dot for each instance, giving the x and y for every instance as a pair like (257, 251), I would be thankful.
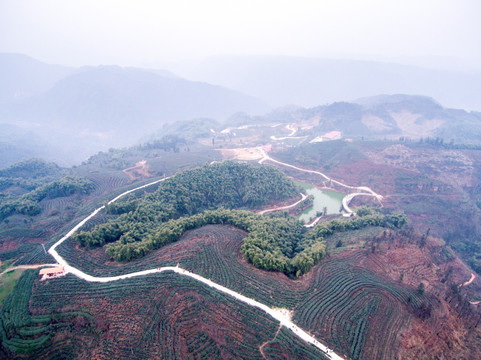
(25, 184)
(228, 184)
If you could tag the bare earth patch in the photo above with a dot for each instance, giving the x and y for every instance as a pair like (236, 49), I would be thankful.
(375, 123)
(450, 166)
(241, 153)
(139, 171)
(413, 126)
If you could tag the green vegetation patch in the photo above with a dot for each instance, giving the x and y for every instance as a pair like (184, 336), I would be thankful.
(30, 169)
(22, 333)
(228, 184)
(15, 315)
(8, 281)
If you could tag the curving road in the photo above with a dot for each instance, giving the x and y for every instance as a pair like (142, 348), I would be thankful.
(312, 224)
(361, 190)
(303, 197)
(293, 130)
(470, 280)
(472, 302)
(275, 313)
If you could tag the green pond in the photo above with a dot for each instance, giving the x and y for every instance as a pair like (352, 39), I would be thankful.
(330, 199)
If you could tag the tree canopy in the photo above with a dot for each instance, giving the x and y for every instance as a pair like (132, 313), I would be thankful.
(229, 184)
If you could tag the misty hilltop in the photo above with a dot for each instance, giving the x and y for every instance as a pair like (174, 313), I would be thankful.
(393, 116)
(103, 98)
(281, 80)
(94, 108)
(23, 76)
(68, 114)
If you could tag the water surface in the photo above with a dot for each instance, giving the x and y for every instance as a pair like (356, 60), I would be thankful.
(329, 199)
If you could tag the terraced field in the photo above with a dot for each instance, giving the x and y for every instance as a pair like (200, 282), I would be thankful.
(355, 310)
(339, 302)
(24, 333)
(164, 316)
(197, 251)
(358, 312)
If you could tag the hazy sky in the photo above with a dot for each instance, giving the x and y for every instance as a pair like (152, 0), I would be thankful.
(81, 32)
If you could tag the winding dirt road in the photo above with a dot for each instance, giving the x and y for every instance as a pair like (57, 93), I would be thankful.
(303, 197)
(293, 130)
(470, 280)
(472, 302)
(275, 313)
(361, 190)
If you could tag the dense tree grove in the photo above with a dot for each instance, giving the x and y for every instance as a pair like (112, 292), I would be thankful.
(228, 184)
(167, 143)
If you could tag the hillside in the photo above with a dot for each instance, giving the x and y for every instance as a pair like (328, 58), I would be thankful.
(143, 224)
(96, 108)
(435, 185)
(365, 303)
(368, 286)
(379, 117)
(23, 76)
(21, 235)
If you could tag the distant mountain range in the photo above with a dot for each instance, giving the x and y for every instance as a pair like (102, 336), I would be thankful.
(94, 108)
(126, 101)
(66, 114)
(282, 80)
(23, 76)
(392, 117)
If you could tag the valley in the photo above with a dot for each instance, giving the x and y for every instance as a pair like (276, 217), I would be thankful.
(341, 279)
